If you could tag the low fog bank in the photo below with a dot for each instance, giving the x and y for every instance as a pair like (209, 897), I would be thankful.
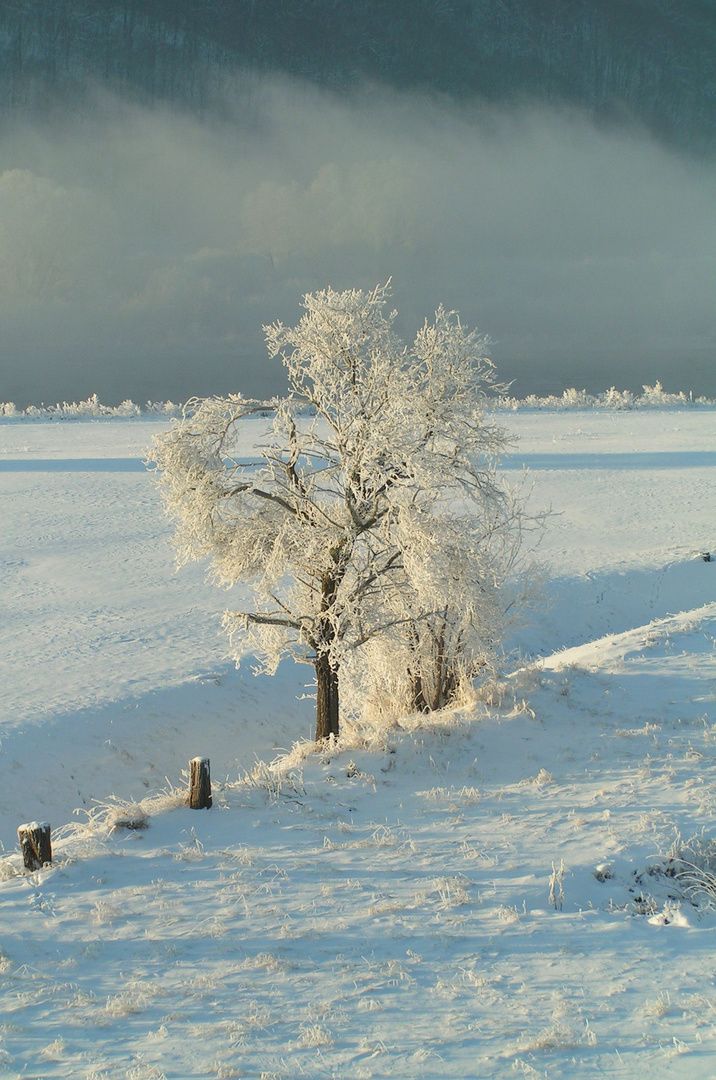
(141, 250)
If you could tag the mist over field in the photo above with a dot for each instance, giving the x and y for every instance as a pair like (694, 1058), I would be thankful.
(143, 247)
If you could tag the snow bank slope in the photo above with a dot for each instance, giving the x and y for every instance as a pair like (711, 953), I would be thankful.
(497, 894)
(485, 896)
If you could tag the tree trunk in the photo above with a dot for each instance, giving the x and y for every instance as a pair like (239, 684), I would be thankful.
(327, 722)
(417, 693)
(326, 699)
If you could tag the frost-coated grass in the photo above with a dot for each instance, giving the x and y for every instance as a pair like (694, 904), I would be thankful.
(389, 906)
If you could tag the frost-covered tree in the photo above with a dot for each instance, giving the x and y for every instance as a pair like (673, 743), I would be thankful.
(371, 511)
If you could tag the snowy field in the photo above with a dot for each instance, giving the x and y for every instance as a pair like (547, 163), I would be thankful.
(519, 890)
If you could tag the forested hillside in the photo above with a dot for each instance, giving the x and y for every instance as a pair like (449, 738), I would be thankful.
(652, 59)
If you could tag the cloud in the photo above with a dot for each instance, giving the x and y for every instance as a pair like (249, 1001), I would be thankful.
(141, 250)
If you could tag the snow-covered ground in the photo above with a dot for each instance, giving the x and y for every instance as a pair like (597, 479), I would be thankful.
(498, 893)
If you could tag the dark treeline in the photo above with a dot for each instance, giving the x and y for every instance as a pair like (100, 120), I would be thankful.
(651, 59)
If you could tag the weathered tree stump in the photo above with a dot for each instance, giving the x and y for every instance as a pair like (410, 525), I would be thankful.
(35, 844)
(199, 784)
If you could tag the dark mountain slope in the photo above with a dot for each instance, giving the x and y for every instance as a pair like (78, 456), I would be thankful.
(651, 59)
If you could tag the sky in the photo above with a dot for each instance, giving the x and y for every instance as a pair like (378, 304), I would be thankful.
(142, 249)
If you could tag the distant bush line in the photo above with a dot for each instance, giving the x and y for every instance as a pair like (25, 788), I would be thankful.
(652, 397)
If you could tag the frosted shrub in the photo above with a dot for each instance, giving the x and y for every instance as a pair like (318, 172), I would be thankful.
(115, 814)
(163, 408)
(653, 397)
(618, 399)
(277, 778)
(693, 863)
(127, 408)
(90, 408)
(576, 399)
(315, 1035)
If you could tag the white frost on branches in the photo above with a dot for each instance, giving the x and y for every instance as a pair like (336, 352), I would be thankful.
(371, 526)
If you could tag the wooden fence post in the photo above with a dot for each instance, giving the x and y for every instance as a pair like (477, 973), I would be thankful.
(35, 844)
(199, 784)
